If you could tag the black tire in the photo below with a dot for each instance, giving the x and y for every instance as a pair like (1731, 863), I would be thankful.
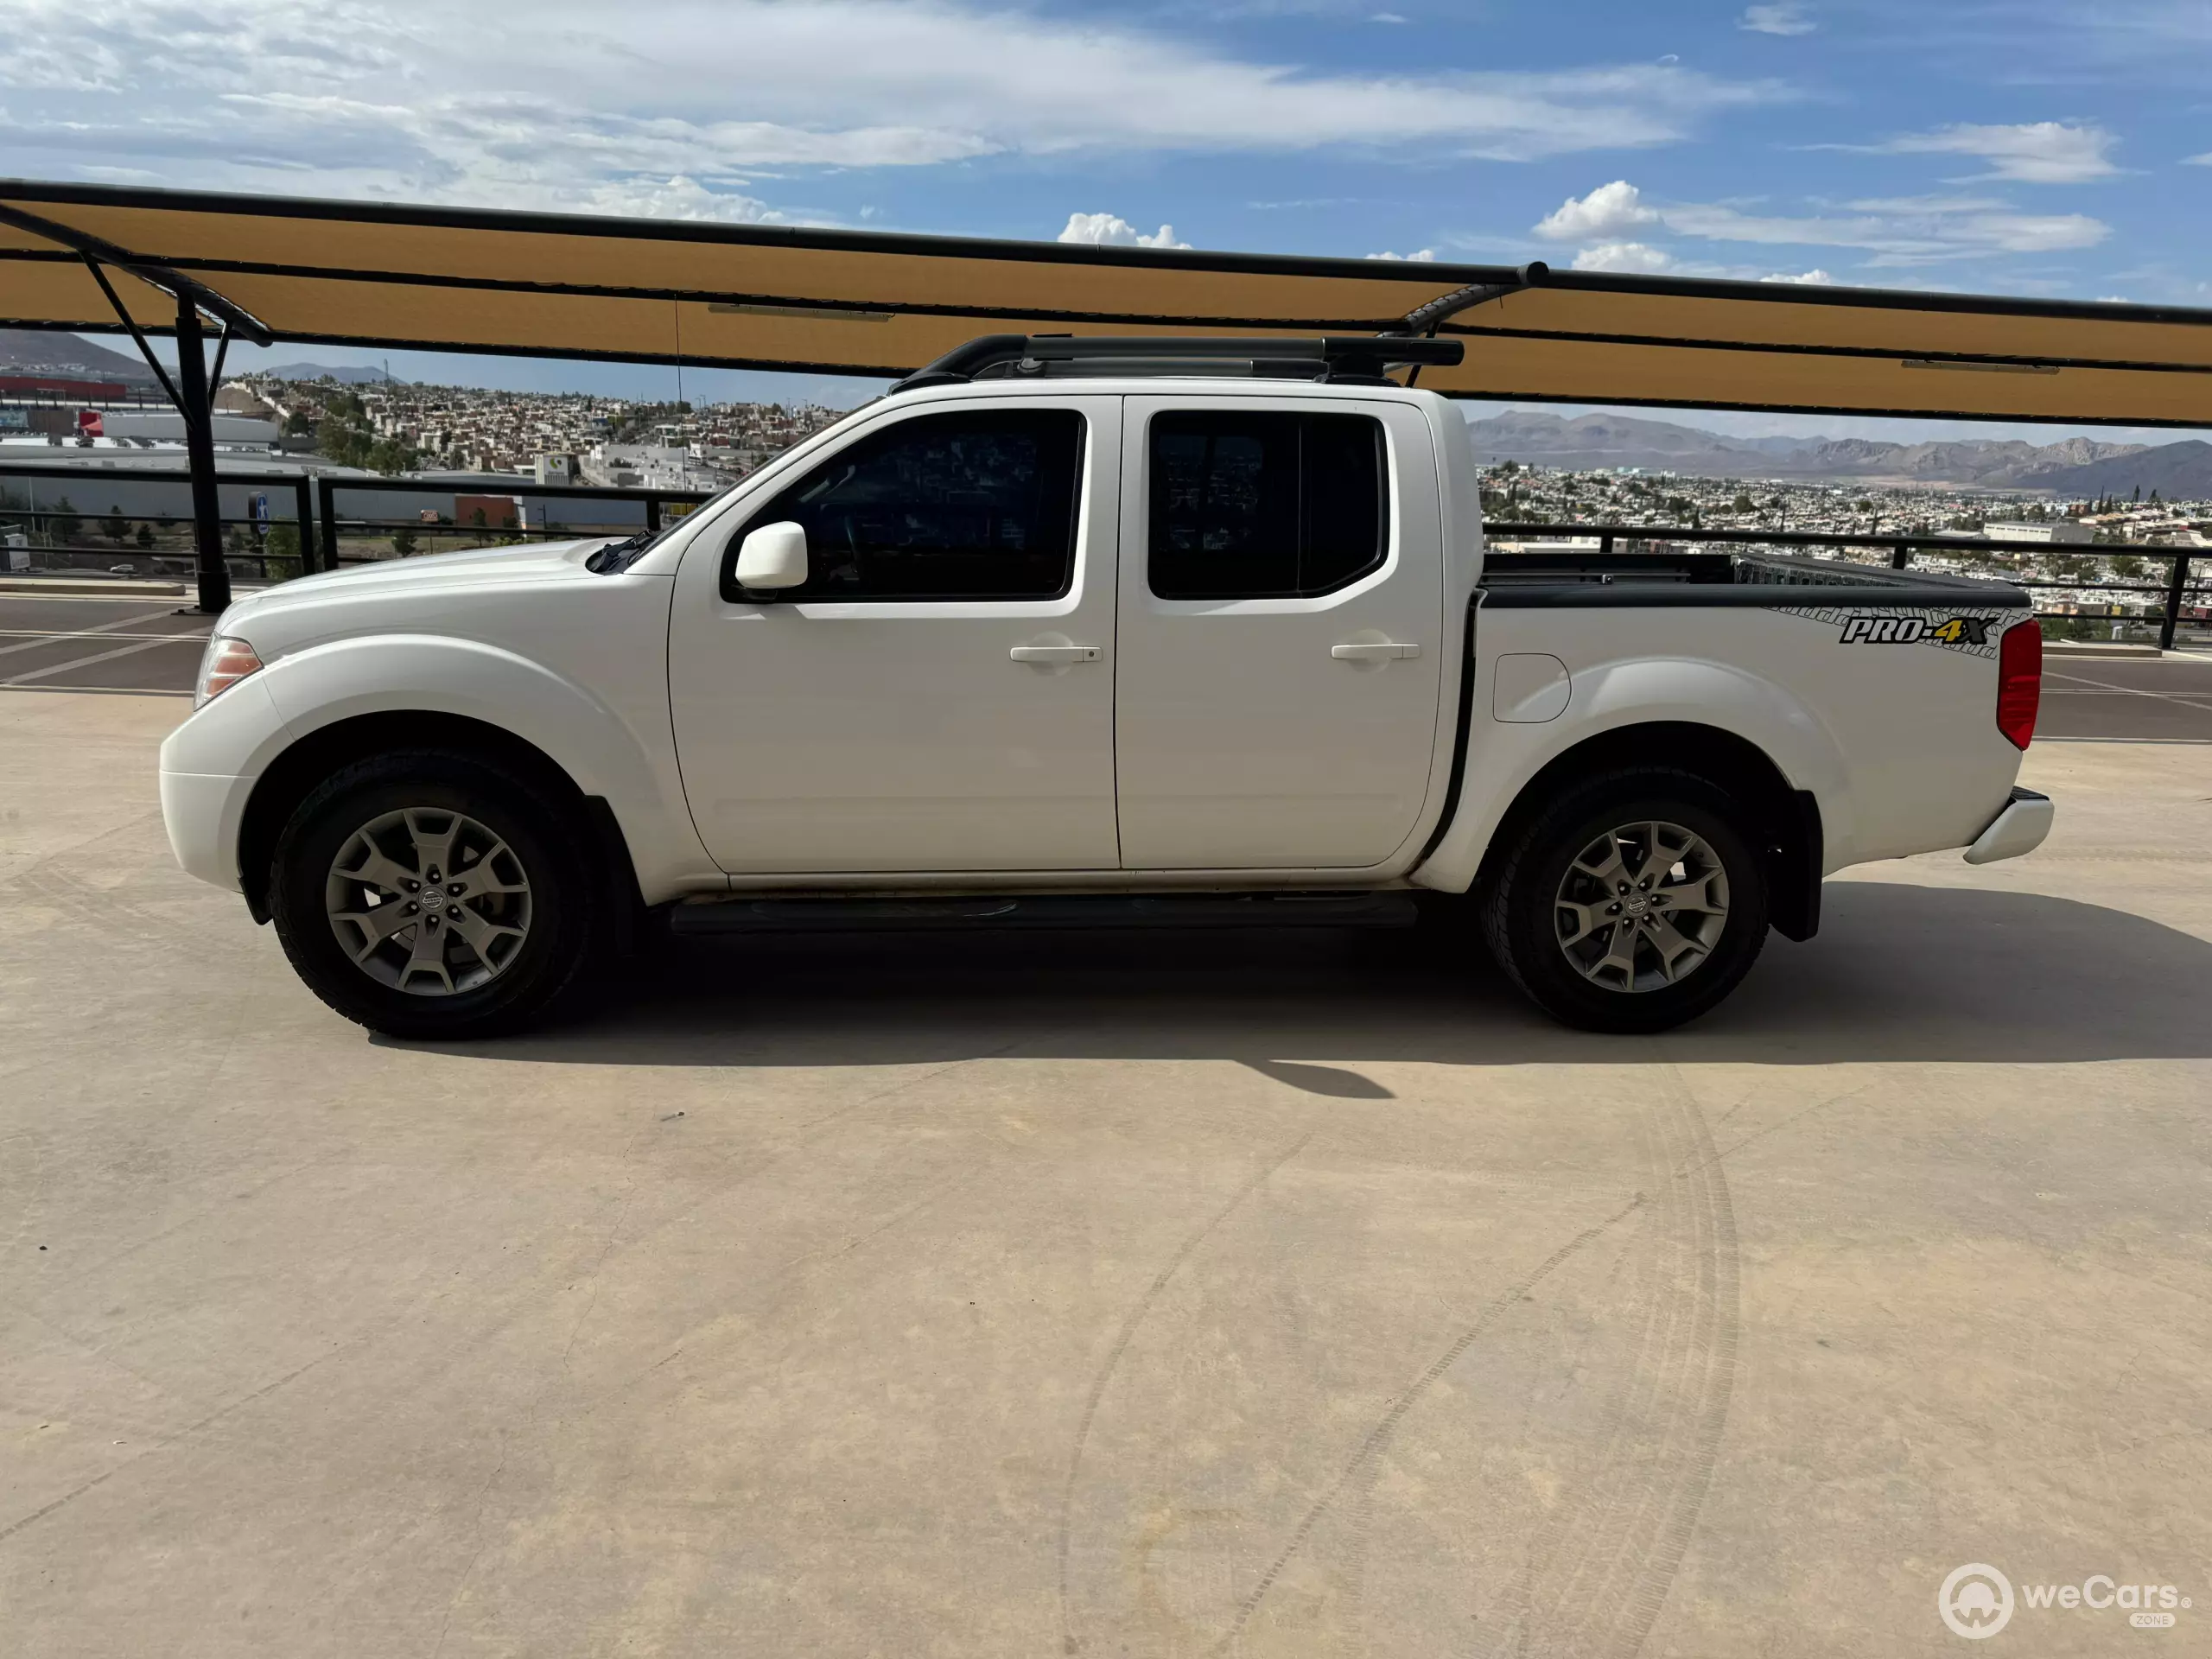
(562, 926)
(1523, 919)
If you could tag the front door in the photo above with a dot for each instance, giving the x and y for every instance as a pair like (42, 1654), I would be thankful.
(1281, 634)
(939, 694)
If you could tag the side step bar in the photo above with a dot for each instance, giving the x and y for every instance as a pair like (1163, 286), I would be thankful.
(969, 912)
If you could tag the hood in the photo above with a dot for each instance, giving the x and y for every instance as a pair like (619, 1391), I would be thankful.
(538, 561)
(545, 559)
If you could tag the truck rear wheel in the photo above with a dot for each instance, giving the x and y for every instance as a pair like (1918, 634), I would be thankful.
(1632, 902)
(433, 894)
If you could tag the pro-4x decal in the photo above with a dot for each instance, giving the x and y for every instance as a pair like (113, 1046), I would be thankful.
(1968, 633)
(1878, 628)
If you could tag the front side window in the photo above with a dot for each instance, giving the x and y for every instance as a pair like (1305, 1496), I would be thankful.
(977, 504)
(1253, 504)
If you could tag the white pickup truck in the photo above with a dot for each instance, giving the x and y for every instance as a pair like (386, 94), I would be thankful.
(1062, 635)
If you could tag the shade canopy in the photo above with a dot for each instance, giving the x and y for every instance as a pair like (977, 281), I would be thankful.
(856, 302)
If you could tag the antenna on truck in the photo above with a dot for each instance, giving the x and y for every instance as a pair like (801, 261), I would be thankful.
(1426, 320)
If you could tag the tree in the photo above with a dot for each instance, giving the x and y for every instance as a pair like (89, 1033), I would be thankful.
(389, 455)
(281, 552)
(403, 541)
(115, 526)
(145, 534)
(1741, 504)
(64, 524)
(298, 425)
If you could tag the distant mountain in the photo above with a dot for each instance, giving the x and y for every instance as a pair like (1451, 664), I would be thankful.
(347, 374)
(1613, 441)
(2178, 472)
(64, 356)
(2072, 466)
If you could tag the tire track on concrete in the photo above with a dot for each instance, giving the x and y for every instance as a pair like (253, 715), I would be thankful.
(1130, 1321)
(1378, 1437)
(1646, 1488)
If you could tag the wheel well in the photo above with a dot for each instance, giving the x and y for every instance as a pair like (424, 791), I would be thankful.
(316, 756)
(1786, 821)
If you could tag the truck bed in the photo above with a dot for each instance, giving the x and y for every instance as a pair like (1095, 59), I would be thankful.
(1575, 577)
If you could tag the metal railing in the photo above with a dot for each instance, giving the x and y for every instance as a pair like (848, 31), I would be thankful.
(326, 489)
(297, 486)
(320, 530)
(2174, 592)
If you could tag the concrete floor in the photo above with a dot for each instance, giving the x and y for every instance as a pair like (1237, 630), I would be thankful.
(1285, 1295)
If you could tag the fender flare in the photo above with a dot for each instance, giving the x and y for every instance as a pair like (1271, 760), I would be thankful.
(1504, 759)
(599, 751)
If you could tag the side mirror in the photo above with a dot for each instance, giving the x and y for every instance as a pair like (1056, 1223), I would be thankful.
(773, 556)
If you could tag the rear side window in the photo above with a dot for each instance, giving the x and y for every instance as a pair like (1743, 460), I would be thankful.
(1253, 505)
(977, 504)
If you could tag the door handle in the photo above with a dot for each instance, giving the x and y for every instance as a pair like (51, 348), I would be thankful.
(1383, 651)
(1055, 653)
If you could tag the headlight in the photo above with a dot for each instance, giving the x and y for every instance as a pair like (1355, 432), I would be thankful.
(229, 659)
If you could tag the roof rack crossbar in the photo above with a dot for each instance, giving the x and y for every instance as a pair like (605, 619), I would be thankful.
(1339, 355)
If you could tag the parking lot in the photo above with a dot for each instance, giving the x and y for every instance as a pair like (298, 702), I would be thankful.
(1288, 1293)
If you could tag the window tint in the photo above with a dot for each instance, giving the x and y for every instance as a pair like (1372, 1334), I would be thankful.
(978, 504)
(1259, 505)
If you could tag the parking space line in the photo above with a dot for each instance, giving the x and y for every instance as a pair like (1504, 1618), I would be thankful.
(101, 656)
(2187, 699)
(115, 626)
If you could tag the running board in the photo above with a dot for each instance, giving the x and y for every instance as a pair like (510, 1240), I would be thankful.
(970, 913)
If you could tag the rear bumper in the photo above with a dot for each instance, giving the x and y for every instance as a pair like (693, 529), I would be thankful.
(2020, 828)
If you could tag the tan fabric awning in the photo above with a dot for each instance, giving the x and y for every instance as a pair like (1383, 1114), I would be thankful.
(840, 301)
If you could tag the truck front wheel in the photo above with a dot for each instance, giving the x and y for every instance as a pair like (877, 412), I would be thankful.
(433, 894)
(1632, 902)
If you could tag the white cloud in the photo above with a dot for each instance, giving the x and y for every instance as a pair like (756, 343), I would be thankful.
(1812, 278)
(2205, 160)
(1638, 256)
(2034, 152)
(1111, 229)
(1420, 257)
(1607, 210)
(1905, 230)
(451, 100)
(1785, 19)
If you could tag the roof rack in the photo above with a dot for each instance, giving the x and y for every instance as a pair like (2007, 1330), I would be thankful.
(1361, 358)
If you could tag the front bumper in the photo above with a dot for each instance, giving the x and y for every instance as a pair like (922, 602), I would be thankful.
(2020, 828)
(202, 813)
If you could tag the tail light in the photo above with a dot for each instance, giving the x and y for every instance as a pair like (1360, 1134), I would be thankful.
(2020, 681)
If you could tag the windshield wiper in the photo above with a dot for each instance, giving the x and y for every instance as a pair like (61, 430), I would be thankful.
(618, 557)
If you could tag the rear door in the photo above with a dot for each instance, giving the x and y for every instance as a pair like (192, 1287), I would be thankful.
(938, 696)
(1281, 637)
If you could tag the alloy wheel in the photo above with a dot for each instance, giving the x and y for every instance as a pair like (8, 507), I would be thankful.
(428, 901)
(1642, 906)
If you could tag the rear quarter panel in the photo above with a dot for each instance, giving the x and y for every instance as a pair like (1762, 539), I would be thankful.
(1893, 731)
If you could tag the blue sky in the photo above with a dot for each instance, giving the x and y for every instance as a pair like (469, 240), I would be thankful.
(2043, 146)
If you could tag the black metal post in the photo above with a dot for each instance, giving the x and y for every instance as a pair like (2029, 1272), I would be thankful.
(304, 515)
(652, 513)
(200, 449)
(2174, 587)
(1900, 556)
(327, 497)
